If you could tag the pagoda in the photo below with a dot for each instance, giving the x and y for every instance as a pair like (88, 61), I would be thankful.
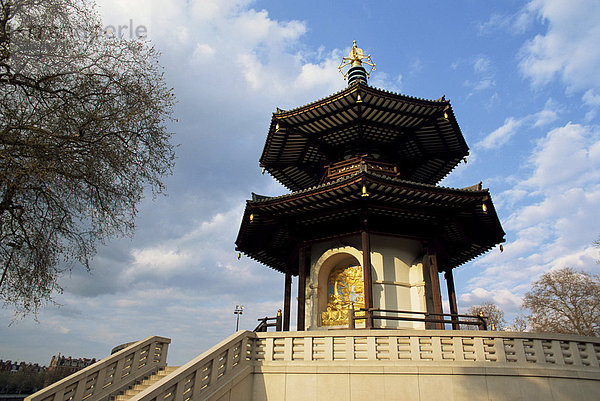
(367, 231)
(366, 225)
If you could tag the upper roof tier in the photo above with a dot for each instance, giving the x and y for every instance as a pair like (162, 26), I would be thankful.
(420, 137)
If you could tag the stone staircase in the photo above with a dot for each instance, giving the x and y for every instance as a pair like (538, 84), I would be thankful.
(138, 388)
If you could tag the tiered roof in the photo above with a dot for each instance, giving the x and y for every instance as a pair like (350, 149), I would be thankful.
(420, 136)
(455, 219)
(367, 159)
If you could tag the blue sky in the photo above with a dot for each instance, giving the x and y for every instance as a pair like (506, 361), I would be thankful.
(523, 80)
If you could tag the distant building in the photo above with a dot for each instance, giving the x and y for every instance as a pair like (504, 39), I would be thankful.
(14, 367)
(61, 366)
(68, 365)
(18, 379)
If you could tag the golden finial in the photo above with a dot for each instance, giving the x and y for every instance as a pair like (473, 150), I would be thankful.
(356, 58)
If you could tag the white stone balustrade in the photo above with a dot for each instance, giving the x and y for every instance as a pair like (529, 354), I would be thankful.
(366, 364)
(280, 366)
(493, 347)
(213, 371)
(105, 378)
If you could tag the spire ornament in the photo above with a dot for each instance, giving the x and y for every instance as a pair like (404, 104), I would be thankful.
(355, 60)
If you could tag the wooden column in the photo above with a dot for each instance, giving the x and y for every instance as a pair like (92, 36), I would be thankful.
(368, 281)
(286, 300)
(451, 296)
(435, 287)
(301, 287)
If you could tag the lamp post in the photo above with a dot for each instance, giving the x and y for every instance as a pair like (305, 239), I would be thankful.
(239, 310)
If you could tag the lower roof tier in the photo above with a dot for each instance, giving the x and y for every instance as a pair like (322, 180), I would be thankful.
(461, 223)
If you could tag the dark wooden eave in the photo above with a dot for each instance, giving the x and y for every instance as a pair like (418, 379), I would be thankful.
(421, 136)
(453, 219)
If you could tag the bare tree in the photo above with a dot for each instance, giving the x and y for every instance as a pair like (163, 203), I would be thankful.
(565, 301)
(493, 313)
(82, 133)
(519, 324)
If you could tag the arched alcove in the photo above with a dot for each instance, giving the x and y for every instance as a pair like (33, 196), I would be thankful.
(337, 281)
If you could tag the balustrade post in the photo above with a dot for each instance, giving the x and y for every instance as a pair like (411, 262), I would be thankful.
(520, 351)
(99, 380)
(118, 372)
(179, 391)
(135, 361)
(575, 355)
(214, 370)
(308, 348)
(459, 349)
(164, 347)
(557, 352)
(59, 394)
(500, 350)
(538, 348)
(197, 386)
(78, 393)
(592, 356)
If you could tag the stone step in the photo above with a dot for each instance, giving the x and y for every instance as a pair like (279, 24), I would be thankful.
(138, 388)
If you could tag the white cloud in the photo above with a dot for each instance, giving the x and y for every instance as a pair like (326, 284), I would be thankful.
(482, 64)
(160, 258)
(566, 158)
(552, 212)
(495, 21)
(515, 23)
(548, 115)
(569, 48)
(591, 99)
(483, 75)
(501, 135)
(203, 50)
(507, 300)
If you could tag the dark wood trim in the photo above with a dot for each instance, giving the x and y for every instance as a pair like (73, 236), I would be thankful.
(301, 287)
(429, 112)
(435, 286)
(368, 280)
(451, 296)
(286, 300)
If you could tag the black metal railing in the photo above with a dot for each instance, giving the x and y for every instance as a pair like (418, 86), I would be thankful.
(266, 322)
(437, 320)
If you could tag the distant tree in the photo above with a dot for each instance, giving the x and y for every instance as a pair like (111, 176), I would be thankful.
(493, 313)
(25, 381)
(82, 133)
(565, 301)
(518, 324)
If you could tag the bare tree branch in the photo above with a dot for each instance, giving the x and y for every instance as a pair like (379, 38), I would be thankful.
(82, 134)
(565, 301)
